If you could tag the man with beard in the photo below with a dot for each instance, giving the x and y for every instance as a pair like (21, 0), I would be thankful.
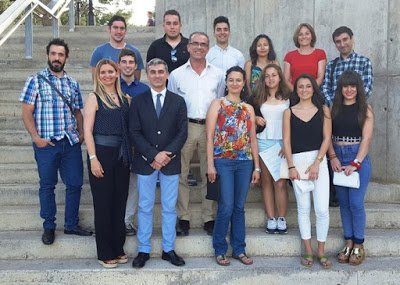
(111, 49)
(51, 103)
(172, 47)
(131, 87)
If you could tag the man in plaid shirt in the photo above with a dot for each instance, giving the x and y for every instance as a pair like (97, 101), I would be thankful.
(56, 127)
(348, 60)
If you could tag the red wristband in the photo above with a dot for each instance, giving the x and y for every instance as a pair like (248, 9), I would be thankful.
(356, 164)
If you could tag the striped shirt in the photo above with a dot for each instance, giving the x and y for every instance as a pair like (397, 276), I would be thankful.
(53, 118)
(356, 62)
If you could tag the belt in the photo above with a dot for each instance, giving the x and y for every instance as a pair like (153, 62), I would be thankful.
(346, 139)
(112, 141)
(198, 121)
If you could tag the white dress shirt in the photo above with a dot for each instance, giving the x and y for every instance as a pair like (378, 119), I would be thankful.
(197, 90)
(154, 96)
(225, 58)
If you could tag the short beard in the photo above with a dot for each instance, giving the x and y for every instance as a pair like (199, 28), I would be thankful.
(55, 68)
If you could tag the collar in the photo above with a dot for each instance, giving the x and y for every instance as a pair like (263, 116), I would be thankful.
(188, 64)
(154, 93)
(48, 73)
(134, 82)
(222, 49)
(352, 54)
(164, 38)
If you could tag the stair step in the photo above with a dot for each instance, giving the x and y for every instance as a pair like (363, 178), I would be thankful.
(16, 218)
(28, 244)
(199, 271)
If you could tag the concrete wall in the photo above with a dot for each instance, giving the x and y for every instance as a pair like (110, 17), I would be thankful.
(376, 26)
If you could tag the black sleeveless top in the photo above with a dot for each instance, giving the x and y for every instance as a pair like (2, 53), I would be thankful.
(114, 122)
(306, 136)
(345, 124)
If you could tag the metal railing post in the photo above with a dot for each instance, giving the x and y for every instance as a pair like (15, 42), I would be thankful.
(29, 36)
(71, 16)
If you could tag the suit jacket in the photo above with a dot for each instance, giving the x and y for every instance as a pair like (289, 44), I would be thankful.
(150, 134)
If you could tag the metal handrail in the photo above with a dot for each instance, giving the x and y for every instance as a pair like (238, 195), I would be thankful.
(22, 10)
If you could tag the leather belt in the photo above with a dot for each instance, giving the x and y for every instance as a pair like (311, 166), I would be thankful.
(198, 121)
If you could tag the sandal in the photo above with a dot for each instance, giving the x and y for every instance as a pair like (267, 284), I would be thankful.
(344, 255)
(307, 260)
(357, 255)
(325, 262)
(112, 263)
(122, 259)
(243, 258)
(222, 260)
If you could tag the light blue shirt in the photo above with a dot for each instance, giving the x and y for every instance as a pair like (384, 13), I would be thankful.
(225, 58)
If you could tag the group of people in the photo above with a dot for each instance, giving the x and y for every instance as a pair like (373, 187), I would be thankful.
(211, 101)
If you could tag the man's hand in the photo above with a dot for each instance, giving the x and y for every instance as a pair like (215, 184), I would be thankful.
(155, 165)
(163, 157)
(39, 142)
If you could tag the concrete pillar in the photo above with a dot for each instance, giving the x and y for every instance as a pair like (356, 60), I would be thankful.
(71, 16)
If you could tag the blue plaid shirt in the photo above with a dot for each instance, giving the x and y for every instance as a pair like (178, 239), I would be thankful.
(53, 118)
(356, 62)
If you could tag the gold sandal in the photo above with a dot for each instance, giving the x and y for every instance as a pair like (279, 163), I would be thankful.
(344, 255)
(357, 255)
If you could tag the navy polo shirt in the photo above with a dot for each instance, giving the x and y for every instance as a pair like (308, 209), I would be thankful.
(134, 89)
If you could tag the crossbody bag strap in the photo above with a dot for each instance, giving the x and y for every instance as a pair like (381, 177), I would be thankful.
(58, 92)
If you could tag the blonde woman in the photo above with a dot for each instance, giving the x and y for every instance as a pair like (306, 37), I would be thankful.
(106, 136)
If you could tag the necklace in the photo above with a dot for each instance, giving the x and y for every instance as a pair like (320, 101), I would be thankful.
(113, 96)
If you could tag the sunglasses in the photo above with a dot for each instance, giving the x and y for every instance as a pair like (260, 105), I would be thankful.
(173, 56)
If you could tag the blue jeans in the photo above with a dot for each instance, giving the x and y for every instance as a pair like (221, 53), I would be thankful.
(234, 177)
(68, 160)
(351, 200)
(147, 194)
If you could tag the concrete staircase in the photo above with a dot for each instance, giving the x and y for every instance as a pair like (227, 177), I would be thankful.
(72, 260)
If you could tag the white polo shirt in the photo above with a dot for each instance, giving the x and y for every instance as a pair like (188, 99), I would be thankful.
(197, 90)
(225, 58)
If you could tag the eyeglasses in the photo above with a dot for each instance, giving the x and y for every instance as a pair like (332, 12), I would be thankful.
(199, 45)
(173, 56)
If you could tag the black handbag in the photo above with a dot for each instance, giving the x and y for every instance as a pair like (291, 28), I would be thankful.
(213, 189)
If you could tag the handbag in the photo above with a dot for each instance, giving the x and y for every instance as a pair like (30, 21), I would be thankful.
(341, 179)
(213, 189)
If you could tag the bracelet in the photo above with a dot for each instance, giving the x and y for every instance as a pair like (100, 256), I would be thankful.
(258, 170)
(291, 167)
(356, 164)
(320, 158)
(331, 156)
(91, 157)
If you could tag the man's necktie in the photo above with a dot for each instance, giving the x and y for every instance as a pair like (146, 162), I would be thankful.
(158, 105)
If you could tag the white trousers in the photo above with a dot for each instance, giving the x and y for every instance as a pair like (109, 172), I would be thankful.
(320, 197)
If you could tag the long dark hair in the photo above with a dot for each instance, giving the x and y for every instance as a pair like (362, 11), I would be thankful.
(262, 91)
(253, 49)
(244, 93)
(316, 99)
(350, 77)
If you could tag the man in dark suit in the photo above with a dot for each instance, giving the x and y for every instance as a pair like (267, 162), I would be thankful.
(158, 128)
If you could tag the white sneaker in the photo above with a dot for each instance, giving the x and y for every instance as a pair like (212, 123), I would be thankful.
(282, 228)
(271, 226)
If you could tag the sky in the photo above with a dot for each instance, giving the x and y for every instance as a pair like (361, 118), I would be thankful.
(139, 10)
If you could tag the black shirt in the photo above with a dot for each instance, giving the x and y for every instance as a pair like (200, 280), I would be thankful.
(345, 124)
(161, 49)
(306, 136)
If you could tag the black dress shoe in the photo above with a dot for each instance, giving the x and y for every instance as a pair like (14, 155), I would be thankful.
(182, 228)
(172, 257)
(140, 260)
(78, 231)
(209, 227)
(48, 237)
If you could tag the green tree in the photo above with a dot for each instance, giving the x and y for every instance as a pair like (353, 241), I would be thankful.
(4, 4)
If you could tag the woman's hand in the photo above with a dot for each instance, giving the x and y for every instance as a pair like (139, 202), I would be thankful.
(260, 121)
(96, 168)
(294, 174)
(281, 153)
(312, 171)
(349, 169)
(255, 177)
(336, 165)
(211, 173)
